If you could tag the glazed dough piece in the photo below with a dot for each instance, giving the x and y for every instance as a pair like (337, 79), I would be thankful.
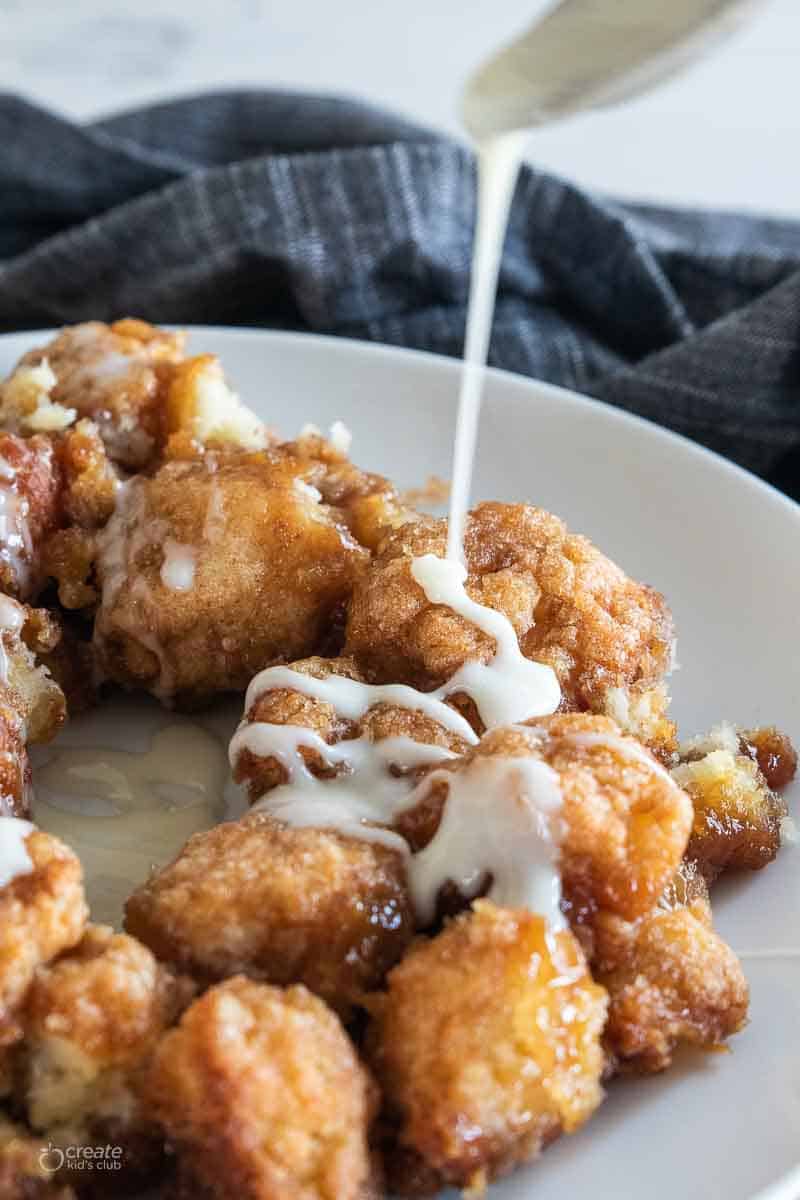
(211, 569)
(608, 638)
(92, 1019)
(262, 1095)
(737, 817)
(482, 1059)
(287, 706)
(671, 979)
(302, 906)
(625, 823)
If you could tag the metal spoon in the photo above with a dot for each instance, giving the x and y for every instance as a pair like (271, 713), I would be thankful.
(586, 54)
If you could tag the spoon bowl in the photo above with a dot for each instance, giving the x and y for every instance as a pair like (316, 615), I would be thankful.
(586, 54)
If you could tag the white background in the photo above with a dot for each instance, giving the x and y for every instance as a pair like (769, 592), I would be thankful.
(724, 134)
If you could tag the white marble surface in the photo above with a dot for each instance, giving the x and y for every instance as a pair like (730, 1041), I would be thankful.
(724, 134)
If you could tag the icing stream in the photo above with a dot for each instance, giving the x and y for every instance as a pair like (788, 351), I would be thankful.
(511, 687)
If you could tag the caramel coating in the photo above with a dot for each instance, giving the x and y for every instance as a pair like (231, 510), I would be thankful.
(262, 1094)
(42, 913)
(483, 1060)
(31, 492)
(675, 981)
(737, 818)
(625, 823)
(91, 1021)
(300, 906)
(271, 569)
(117, 374)
(89, 478)
(370, 504)
(773, 752)
(610, 941)
(570, 606)
(24, 1172)
(282, 706)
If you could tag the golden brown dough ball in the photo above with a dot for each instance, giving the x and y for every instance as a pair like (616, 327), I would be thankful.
(625, 822)
(737, 817)
(675, 981)
(91, 1020)
(483, 1061)
(280, 904)
(212, 569)
(42, 913)
(570, 606)
(263, 1097)
(116, 374)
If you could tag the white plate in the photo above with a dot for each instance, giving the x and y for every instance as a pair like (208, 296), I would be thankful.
(725, 549)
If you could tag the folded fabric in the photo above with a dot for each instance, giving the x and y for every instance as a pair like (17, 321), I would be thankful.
(293, 211)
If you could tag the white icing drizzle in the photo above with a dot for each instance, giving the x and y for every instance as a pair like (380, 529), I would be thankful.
(127, 533)
(340, 437)
(214, 521)
(501, 818)
(12, 614)
(178, 567)
(513, 837)
(7, 472)
(114, 543)
(508, 689)
(14, 857)
(110, 365)
(16, 546)
(307, 489)
(625, 748)
(353, 700)
(364, 797)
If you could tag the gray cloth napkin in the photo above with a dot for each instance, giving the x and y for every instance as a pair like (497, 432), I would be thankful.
(292, 211)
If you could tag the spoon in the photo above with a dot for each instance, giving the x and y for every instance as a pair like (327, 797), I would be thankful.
(586, 54)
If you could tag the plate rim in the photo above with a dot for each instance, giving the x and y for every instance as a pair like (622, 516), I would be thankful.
(717, 468)
(326, 341)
